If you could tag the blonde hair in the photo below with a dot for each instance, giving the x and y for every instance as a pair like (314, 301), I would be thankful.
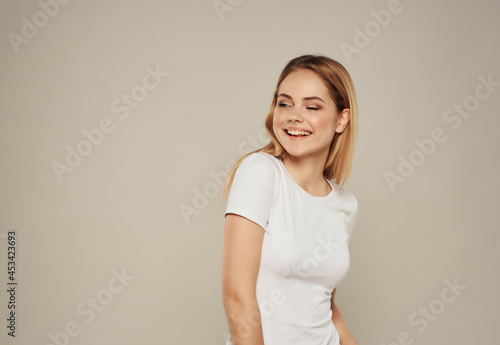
(338, 164)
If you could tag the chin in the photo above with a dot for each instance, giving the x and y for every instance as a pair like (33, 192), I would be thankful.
(298, 153)
(302, 153)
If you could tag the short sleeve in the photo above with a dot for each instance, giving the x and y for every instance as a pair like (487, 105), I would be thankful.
(353, 217)
(252, 191)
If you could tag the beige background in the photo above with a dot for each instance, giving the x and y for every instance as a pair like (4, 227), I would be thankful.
(121, 206)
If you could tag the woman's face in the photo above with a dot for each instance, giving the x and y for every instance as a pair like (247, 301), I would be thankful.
(305, 118)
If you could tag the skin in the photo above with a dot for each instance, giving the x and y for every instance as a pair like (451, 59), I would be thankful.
(242, 239)
(242, 246)
(307, 156)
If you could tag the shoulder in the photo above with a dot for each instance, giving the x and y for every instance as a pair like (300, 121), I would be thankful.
(261, 158)
(260, 162)
(254, 188)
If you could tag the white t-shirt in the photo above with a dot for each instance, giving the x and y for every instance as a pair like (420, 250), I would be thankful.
(305, 251)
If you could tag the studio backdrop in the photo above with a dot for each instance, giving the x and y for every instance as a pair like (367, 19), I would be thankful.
(120, 119)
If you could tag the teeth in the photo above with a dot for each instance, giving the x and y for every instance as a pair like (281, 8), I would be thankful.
(298, 132)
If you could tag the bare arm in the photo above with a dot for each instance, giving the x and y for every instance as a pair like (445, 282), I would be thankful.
(346, 338)
(242, 247)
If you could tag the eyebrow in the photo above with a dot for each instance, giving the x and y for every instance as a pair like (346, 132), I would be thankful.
(305, 98)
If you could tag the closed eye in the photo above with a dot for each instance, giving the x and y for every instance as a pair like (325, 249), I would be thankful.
(283, 105)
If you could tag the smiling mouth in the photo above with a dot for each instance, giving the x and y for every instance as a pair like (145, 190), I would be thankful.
(297, 133)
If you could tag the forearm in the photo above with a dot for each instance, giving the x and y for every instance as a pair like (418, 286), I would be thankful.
(346, 338)
(244, 322)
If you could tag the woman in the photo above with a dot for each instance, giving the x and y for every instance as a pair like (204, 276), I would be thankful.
(288, 221)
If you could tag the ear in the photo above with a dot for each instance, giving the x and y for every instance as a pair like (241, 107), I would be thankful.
(343, 120)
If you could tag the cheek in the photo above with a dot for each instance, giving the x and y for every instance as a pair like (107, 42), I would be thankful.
(327, 126)
(277, 119)
(331, 119)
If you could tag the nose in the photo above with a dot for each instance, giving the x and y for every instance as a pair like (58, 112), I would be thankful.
(294, 116)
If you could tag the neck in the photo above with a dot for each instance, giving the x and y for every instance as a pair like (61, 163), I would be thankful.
(308, 173)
